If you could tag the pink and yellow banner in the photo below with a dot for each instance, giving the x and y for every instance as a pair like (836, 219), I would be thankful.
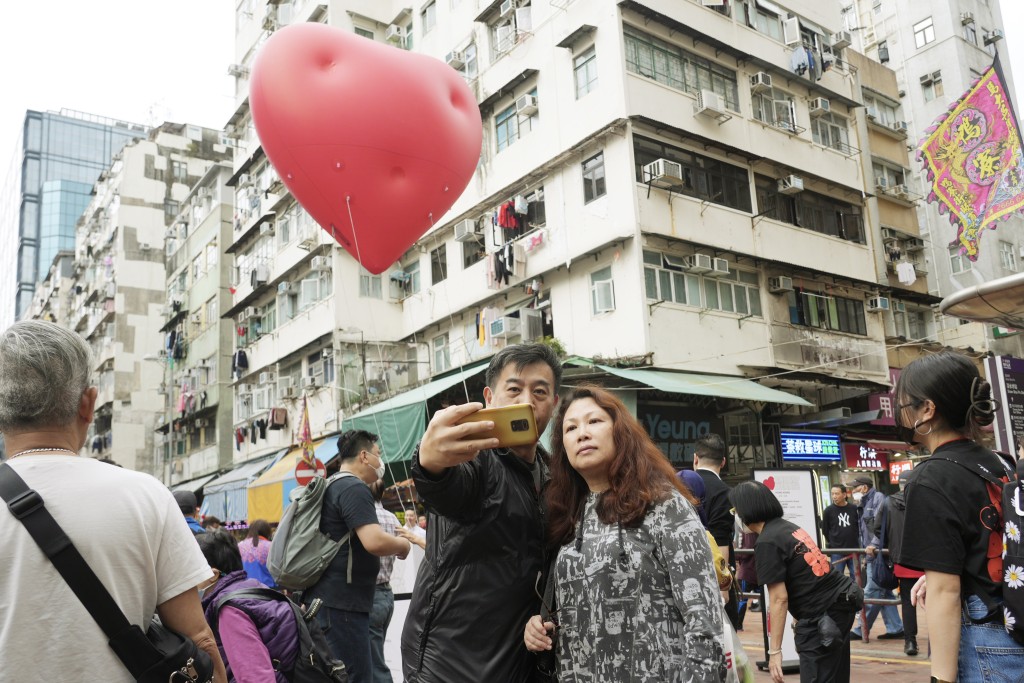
(972, 156)
(305, 435)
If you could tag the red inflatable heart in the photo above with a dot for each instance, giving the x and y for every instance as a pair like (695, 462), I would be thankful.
(376, 143)
(770, 483)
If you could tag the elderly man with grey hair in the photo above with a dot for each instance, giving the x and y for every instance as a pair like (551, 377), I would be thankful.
(150, 563)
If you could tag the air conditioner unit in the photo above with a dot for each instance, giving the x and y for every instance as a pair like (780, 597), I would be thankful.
(914, 244)
(456, 59)
(320, 263)
(926, 79)
(526, 105)
(881, 182)
(872, 113)
(309, 382)
(791, 184)
(890, 234)
(204, 192)
(878, 303)
(394, 34)
(819, 106)
(900, 127)
(266, 228)
(284, 288)
(252, 312)
(698, 263)
(708, 104)
(503, 328)
(266, 377)
(244, 180)
(663, 173)
(761, 82)
(719, 267)
(841, 40)
(238, 70)
(144, 246)
(244, 388)
(308, 241)
(900, 191)
(506, 8)
(883, 54)
(966, 18)
(992, 36)
(778, 285)
(466, 231)
(899, 306)
(201, 422)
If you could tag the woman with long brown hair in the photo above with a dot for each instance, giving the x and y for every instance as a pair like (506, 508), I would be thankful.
(634, 582)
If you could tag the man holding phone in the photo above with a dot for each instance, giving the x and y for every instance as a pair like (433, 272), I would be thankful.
(477, 585)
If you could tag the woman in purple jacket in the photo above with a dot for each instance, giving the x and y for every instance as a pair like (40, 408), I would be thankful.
(258, 639)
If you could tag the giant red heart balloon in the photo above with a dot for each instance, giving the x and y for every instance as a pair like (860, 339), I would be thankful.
(376, 143)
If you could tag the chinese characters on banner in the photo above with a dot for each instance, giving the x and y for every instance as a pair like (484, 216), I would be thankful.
(898, 467)
(861, 456)
(810, 446)
(885, 402)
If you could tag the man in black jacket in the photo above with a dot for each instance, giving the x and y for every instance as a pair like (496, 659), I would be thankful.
(708, 461)
(476, 587)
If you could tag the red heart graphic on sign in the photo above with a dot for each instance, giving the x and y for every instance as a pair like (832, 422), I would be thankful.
(376, 143)
(770, 483)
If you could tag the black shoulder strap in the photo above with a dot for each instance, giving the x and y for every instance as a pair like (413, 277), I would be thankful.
(975, 467)
(128, 641)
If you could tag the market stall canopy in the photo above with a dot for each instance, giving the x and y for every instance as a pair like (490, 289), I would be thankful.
(268, 495)
(400, 421)
(997, 302)
(737, 388)
(195, 485)
(226, 496)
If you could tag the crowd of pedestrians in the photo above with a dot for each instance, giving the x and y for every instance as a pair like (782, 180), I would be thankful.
(594, 562)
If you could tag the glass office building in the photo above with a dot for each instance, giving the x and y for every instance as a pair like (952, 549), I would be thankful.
(63, 153)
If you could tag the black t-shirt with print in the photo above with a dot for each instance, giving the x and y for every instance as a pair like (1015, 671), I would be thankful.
(785, 553)
(948, 508)
(841, 528)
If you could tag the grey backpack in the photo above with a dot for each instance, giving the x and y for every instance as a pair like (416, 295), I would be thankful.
(301, 552)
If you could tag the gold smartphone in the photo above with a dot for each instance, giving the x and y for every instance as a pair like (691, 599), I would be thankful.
(513, 425)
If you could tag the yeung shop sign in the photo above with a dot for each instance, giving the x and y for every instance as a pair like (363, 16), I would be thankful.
(674, 428)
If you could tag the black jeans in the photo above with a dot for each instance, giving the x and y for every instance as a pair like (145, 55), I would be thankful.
(909, 611)
(820, 664)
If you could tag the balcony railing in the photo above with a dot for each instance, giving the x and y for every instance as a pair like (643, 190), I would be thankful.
(824, 350)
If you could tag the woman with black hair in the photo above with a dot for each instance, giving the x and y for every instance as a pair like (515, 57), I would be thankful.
(952, 529)
(800, 580)
(255, 549)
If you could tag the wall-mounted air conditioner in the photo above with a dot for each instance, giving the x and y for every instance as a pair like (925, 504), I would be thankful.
(872, 113)
(456, 59)
(719, 267)
(526, 105)
(841, 40)
(878, 303)
(505, 327)
(761, 82)
(238, 70)
(266, 377)
(709, 103)
(900, 191)
(266, 228)
(285, 288)
(252, 312)
(820, 106)
(506, 8)
(900, 127)
(780, 284)
(889, 234)
(309, 382)
(791, 184)
(698, 263)
(966, 18)
(285, 387)
(320, 263)
(881, 182)
(394, 34)
(899, 306)
(466, 231)
(663, 173)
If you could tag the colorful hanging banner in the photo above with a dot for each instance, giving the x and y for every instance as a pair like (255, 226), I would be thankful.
(972, 155)
(306, 436)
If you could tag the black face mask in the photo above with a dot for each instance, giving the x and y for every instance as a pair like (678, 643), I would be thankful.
(905, 433)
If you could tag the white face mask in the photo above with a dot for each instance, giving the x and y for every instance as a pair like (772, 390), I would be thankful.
(379, 471)
(744, 528)
(857, 496)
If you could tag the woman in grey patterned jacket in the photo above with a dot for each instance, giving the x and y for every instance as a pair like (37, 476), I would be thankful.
(637, 597)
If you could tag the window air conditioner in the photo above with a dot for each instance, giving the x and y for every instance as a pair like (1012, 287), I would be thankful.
(926, 79)
(966, 18)
(238, 70)
(709, 104)
(663, 173)
(899, 306)
(526, 105)
(992, 36)
(503, 328)
(719, 267)
(456, 59)
(394, 34)
(266, 377)
(506, 8)
(878, 303)
(466, 231)
(285, 288)
(819, 106)
(841, 40)
(914, 244)
(778, 285)
(309, 382)
(244, 388)
(320, 263)
(761, 82)
(881, 182)
(900, 191)
(698, 263)
(266, 228)
(244, 180)
(791, 184)
(889, 234)
(872, 113)
(900, 127)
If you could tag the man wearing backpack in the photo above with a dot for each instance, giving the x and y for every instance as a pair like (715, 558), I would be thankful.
(347, 589)
(476, 587)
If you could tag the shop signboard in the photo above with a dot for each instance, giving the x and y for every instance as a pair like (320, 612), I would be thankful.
(897, 467)
(810, 446)
(885, 402)
(861, 456)
(675, 428)
(1006, 375)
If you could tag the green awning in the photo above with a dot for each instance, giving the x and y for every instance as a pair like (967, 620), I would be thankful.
(401, 420)
(705, 385)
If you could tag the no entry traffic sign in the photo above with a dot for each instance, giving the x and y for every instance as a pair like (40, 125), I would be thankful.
(304, 473)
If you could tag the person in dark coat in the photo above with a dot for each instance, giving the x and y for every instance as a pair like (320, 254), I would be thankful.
(708, 461)
(477, 585)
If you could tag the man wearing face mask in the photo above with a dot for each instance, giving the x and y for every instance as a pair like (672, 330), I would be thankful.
(347, 586)
(870, 501)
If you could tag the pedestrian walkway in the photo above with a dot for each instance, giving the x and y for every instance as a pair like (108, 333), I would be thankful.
(867, 660)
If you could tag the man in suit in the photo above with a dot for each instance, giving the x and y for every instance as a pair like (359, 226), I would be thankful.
(708, 461)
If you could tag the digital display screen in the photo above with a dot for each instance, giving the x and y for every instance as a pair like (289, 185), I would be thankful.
(810, 446)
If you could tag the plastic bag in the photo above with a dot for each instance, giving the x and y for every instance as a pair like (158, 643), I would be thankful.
(737, 663)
